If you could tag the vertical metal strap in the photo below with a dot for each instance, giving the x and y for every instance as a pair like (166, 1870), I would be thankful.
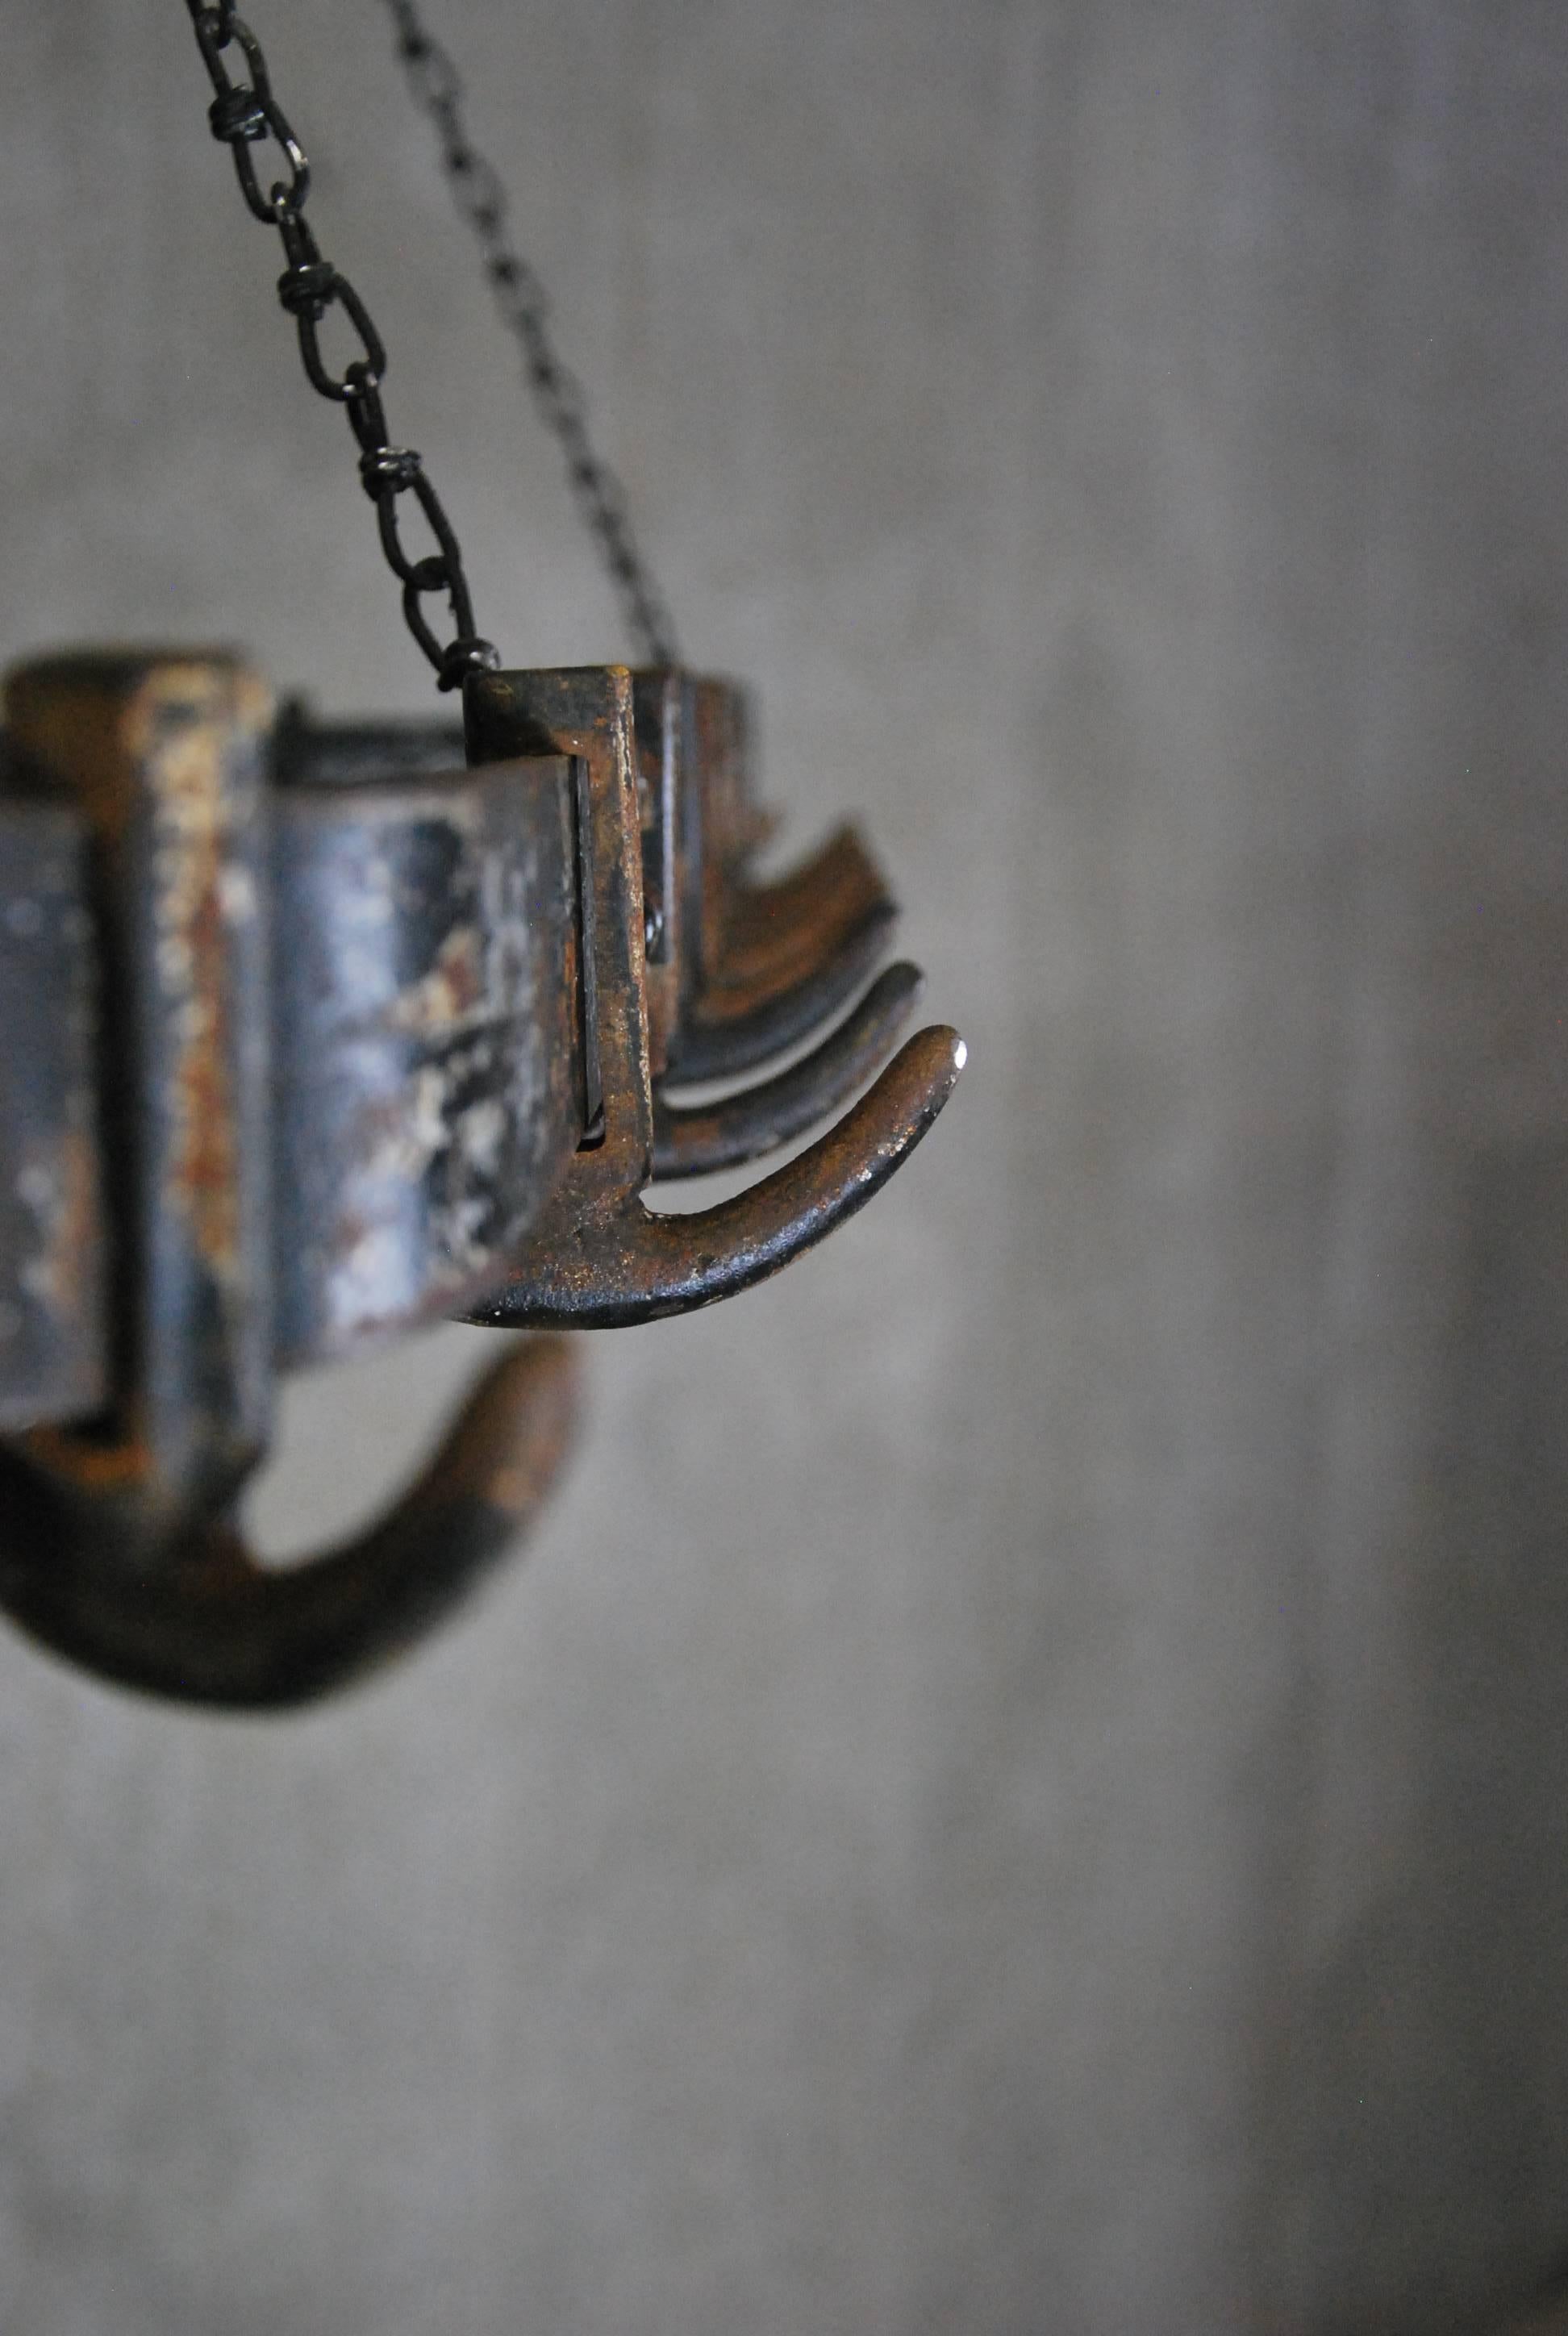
(52, 1254)
(164, 755)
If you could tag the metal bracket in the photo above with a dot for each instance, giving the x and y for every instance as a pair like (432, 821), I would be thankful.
(596, 1258)
(335, 1076)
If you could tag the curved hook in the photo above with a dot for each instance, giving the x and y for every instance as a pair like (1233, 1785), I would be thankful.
(738, 970)
(696, 1139)
(595, 1257)
(200, 1621)
(611, 1263)
(772, 933)
(731, 1029)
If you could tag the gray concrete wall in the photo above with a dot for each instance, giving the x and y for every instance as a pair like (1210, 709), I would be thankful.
(1022, 1789)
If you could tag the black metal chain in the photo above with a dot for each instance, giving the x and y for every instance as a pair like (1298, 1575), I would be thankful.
(524, 310)
(245, 115)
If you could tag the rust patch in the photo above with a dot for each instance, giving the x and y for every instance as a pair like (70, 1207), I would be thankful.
(186, 772)
(123, 1466)
(180, 727)
(107, 727)
(451, 994)
(62, 1200)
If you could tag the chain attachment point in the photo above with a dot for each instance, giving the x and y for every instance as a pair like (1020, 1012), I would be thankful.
(243, 115)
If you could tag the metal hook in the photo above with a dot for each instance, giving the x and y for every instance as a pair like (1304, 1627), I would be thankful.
(447, 1089)
(602, 1261)
(697, 1139)
(735, 972)
(772, 933)
(190, 1615)
(732, 1027)
(759, 966)
(596, 1258)
(309, 1156)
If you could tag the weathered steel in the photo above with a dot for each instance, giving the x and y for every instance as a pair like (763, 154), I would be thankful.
(426, 1082)
(164, 757)
(697, 1139)
(611, 1263)
(758, 968)
(246, 116)
(52, 1258)
(662, 776)
(734, 971)
(383, 1038)
(308, 752)
(596, 1258)
(745, 1032)
(775, 932)
(205, 1624)
(425, 1099)
(428, 1087)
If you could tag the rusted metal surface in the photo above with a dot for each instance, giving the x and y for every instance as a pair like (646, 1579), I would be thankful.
(759, 966)
(610, 1266)
(204, 1623)
(697, 1139)
(723, 824)
(164, 757)
(428, 1082)
(740, 1036)
(424, 1098)
(383, 1038)
(662, 774)
(596, 1258)
(52, 1254)
(776, 933)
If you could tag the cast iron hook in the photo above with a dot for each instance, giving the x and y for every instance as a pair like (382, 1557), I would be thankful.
(605, 1263)
(738, 971)
(596, 1258)
(698, 1139)
(188, 1613)
(735, 1024)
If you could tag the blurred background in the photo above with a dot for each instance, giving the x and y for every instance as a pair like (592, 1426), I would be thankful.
(1023, 1787)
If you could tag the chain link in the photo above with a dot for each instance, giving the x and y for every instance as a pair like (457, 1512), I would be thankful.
(524, 309)
(246, 117)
